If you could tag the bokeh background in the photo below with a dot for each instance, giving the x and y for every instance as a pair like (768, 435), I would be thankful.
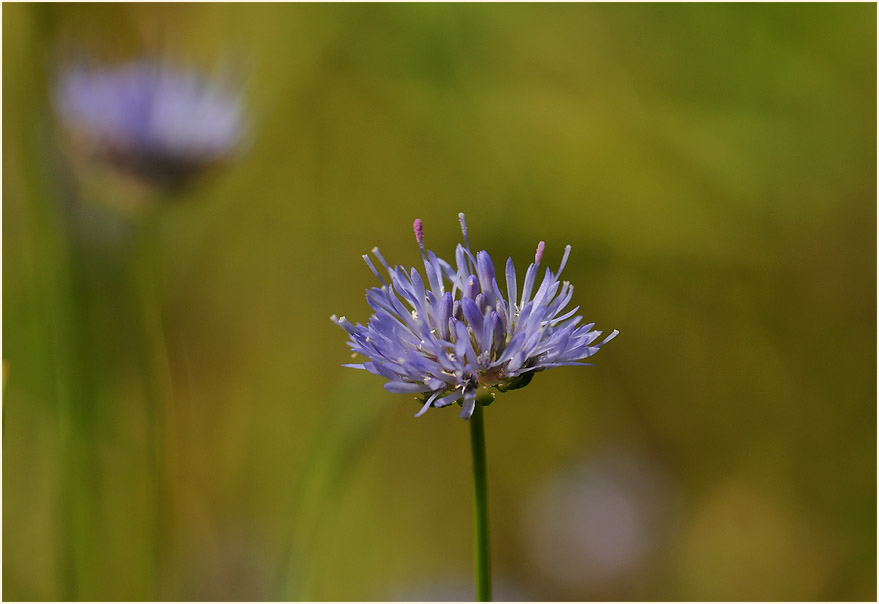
(177, 423)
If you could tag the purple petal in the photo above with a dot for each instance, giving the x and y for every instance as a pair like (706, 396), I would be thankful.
(406, 387)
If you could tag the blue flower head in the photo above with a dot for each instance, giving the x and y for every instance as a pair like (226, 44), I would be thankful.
(454, 336)
(160, 123)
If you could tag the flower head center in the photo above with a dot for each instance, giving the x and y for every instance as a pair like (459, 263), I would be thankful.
(490, 377)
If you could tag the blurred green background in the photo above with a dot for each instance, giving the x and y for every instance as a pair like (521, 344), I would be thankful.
(177, 423)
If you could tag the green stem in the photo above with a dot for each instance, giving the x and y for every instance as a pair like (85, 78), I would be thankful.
(480, 506)
(157, 390)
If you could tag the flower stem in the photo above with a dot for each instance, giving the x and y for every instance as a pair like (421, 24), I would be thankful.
(480, 506)
(158, 393)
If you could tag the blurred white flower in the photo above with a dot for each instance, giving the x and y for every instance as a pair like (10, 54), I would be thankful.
(599, 521)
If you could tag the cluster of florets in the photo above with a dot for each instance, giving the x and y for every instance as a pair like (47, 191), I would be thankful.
(154, 120)
(456, 336)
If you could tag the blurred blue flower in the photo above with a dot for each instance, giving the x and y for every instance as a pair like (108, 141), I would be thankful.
(454, 345)
(156, 121)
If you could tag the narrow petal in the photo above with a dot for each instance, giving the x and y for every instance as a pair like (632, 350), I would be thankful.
(471, 289)
(406, 387)
(427, 404)
(445, 312)
(381, 259)
(610, 337)
(530, 275)
(485, 271)
(499, 339)
(372, 268)
(488, 327)
(469, 404)
(447, 400)
(463, 343)
(564, 261)
(512, 287)
(472, 314)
